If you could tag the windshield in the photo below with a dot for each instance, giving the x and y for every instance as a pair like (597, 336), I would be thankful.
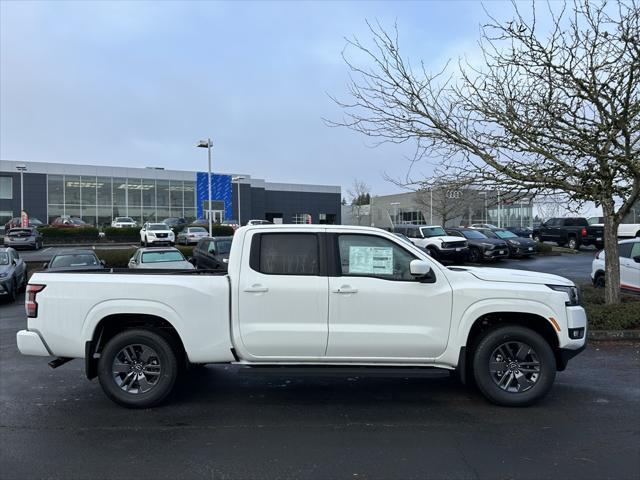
(505, 234)
(77, 221)
(433, 232)
(154, 227)
(196, 229)
(489, 233)
(4, 259)
(124, 219)
(473, 234)
(77, 260)
(223, 246)
(162, 256)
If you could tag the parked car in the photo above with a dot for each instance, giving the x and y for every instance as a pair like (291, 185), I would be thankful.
(310, 295)
(176, 223)
(28, 237)
(73, 261)
(212, 253)
(629, 252)
(231, 223)
(69, 222)
(191, 234)
(481, 247)
(160, 258)
(570, 231)
(124, 222)
(16, 222)
(259, 222)
(625, 230)
(518, 246)
(433, 238)
(483, 225)
(156, 234)
(13, 273)
(523, 232)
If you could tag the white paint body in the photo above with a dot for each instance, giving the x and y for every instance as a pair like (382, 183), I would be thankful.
(293, 319)
(629, 268)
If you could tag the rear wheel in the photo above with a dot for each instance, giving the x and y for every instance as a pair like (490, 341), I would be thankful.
(137, 368)
(599, 281)
(513, 366)
(573, 244)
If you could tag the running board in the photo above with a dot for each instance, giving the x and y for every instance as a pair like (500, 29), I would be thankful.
(59, 361)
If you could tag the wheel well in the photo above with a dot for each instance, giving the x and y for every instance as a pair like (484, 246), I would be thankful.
(534, 322)
(111, 325)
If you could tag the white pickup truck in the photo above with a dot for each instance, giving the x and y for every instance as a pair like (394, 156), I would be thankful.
(298, 295)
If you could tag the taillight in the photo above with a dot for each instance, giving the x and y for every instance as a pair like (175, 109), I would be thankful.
(597, 255)
(584, 232)
(30, 302)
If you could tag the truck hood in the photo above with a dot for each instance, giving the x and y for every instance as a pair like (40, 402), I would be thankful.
(447, 238)
(515, 276)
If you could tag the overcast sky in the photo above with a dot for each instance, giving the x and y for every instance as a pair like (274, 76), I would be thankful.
(137, 84)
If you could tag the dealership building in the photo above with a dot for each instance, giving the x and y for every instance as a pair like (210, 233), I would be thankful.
(97, 194)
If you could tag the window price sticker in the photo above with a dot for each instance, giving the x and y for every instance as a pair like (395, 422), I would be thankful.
(371, 260)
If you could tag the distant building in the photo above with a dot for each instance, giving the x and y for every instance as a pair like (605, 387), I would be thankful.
(97, 194)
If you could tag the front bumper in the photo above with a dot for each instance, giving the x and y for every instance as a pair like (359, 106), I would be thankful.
(495, 253)
(458, 253)
(521, 251)
(30, 343)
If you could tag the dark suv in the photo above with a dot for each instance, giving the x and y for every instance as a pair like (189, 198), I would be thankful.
(481, 247)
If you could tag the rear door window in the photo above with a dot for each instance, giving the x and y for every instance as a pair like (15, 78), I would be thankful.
(287, 254)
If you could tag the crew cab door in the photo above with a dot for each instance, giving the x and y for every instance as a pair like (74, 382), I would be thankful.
(377, 310)
(282, 295)
(629, 268)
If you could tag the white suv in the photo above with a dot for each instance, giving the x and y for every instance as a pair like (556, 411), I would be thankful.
(629, 251)
(435, 241)
(156, 234)
(122, 222)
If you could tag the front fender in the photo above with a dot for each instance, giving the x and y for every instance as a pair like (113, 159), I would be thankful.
(496, 305)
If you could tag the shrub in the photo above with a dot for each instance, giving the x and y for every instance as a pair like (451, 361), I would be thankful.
(115, 258)
(625, 315)
(63, 235)
(221, 231)
(122, 234)
(187, 251)
(543, 248)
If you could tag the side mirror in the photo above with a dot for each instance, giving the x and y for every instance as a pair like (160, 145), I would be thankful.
(419, 268)
(190, 260)
(103, 263)
(636, 259)
(45, 264)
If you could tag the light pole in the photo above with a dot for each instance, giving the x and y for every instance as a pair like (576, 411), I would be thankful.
(207, 144)
(21, 168)
(237, 180)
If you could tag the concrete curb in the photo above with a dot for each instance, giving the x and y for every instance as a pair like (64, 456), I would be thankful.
(614, 335)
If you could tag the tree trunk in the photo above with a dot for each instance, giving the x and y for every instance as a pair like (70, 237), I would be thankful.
(612, 260)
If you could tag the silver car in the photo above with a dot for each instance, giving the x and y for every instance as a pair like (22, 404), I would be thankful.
(160, 258)
(190, 235)
(28, 237)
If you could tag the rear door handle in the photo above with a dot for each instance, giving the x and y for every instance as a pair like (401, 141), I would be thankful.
(345, 289)
(256, 288)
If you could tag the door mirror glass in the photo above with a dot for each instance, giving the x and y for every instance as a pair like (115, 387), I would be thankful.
(419, 268)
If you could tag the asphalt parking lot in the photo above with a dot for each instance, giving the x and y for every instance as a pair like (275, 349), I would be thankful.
(224, 422)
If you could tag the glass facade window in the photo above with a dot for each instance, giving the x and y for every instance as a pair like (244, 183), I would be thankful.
(120, 197)
(302, 218)
(6, 188)
(97, 200)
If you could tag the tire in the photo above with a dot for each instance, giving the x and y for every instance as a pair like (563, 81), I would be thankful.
(474, 255)
(161, 365)
(516, 391)
(573, 244)
(13, 293)
(599, 281)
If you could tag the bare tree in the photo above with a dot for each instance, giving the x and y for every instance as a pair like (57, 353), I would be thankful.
(359, 197)
(547, 112)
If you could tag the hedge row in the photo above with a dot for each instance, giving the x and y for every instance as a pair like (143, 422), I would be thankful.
(69, 234)
(623, 316)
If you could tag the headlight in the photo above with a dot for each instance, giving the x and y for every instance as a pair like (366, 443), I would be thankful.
(151, 234)
(514, 242)
(487, 245)
(572, 293)
(4, 274)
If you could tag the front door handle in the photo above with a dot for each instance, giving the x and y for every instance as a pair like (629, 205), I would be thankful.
(345, 289)
(256, 288)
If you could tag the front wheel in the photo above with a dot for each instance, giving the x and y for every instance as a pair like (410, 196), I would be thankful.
(474, 255)
(137, 368)
(513, 366)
